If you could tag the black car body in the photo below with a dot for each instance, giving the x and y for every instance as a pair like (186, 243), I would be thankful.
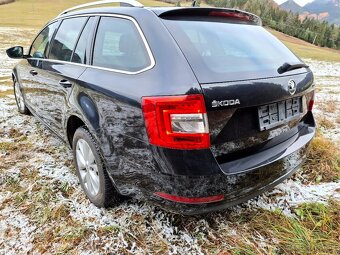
(195, 109)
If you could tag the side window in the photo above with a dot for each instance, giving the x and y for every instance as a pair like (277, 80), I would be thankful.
(41, 44)
(119, 46)
(79, 55)
(66, 38)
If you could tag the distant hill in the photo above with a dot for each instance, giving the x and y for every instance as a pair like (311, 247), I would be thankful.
(328, 10)
(332, 7)
(292, 6)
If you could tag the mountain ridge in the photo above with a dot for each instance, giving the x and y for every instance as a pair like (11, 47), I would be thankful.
(328, 10)
(291, 5)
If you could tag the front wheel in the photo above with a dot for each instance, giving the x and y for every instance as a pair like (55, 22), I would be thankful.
(91, 171)
(19, 98)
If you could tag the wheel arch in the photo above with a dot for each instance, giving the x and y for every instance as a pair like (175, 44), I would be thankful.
(73, 123)
(85, 114)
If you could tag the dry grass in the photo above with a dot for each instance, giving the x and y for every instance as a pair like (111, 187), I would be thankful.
(6, 93)
(56, 231)
(330, 106)
(60, 238)
(315, 231)
(338, 119)
(15, 150)
(323, 161)
(307, 50)
(324, 122)
(36, 13)
(6, 81)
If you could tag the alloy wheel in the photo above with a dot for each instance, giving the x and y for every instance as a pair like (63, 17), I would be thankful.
(88, 167)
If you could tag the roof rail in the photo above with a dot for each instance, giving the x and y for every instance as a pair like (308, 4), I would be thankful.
(127, 3)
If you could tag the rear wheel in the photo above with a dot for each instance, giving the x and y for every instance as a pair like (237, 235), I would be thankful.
(19, 98)
(91, 171)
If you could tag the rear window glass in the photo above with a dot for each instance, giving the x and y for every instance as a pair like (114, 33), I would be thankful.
(219, 51)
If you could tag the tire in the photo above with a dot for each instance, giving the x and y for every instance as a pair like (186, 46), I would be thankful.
(19, 99)
(91, 171)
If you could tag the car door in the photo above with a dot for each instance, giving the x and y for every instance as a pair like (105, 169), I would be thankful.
(30, 71)
(113, 86)
(64, 66)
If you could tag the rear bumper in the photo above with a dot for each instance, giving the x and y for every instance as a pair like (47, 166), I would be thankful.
(260, 171)
(263, 172)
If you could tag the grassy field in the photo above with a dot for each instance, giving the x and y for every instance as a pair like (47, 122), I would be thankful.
(36, 13)
(306, 50)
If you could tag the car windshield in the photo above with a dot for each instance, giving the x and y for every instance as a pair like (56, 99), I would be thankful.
(220, 51)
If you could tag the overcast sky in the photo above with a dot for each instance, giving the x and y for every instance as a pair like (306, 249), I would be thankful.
(300, 2)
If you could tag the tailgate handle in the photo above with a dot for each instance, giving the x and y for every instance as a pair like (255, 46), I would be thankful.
(65, 83)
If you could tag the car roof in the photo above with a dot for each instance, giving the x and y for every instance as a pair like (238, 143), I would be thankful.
(108, 10)
(159, 11)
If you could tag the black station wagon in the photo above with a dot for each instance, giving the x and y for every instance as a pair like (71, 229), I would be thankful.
(195, 109)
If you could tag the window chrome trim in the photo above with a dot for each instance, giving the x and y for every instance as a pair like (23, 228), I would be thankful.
(146, 45)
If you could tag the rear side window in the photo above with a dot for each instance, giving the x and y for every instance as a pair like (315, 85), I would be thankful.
(119, 46)
(66, 38)
(222, 51)
(40, 46)
(79, 55)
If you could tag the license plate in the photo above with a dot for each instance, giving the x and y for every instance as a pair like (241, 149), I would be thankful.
(275, 114)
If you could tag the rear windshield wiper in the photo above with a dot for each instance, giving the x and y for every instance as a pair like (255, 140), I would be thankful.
(288, 67)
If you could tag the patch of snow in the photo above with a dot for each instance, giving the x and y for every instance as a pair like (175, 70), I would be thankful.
(5, 88)
(323, 68)
(15, 232)
(291, 193)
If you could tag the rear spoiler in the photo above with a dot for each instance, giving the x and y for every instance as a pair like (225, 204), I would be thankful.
(214, 13)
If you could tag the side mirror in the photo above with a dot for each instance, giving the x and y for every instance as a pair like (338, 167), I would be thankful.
(16, 52)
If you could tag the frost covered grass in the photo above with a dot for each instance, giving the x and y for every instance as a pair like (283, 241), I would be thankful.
(327, 98)
(315, 230)
(43, 209)
(323, 163)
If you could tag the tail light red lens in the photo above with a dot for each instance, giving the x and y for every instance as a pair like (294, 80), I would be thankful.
(178, 122)
(311, 104)
(311, 101)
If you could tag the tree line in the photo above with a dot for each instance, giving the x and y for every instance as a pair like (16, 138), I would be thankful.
(320, 33)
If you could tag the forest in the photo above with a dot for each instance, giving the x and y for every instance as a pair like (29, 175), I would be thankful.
(320, 33)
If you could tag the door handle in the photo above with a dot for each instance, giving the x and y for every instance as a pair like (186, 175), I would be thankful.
(33, 72)
(65, 83)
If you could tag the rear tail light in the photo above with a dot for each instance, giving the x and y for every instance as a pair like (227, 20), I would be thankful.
(311, 101)
(178, 122)
(310, 105)
(190, 200)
